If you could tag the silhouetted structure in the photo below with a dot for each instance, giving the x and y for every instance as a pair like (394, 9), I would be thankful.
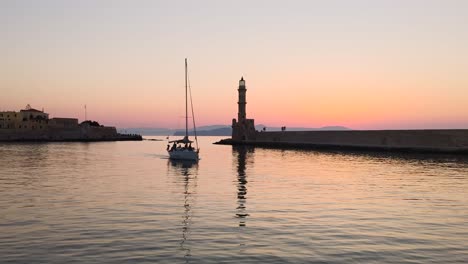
(427, 140)
(242, 128)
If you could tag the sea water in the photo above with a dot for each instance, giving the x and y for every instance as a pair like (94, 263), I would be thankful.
(125, 202)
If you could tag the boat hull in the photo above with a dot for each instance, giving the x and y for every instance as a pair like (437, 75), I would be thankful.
(183, 155)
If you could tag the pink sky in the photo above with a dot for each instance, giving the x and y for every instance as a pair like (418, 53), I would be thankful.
(365, 65)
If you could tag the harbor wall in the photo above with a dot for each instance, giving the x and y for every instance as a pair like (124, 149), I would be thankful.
(427, 140)
(77, 133)
(450, 140)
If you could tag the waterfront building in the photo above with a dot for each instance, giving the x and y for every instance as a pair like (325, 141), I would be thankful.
(26, 119)
(30, 124)
(60, 122)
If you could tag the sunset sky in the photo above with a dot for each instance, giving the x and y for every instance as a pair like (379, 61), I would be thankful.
(361, 64)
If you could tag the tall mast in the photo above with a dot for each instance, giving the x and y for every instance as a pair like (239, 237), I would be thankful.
(186, 104)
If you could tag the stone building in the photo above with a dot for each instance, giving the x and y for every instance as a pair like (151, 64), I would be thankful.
(26, 119)
(243, 129)
(60, 122)
(31, 124)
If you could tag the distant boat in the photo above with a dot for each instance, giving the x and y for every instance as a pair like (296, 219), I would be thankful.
(182, 149)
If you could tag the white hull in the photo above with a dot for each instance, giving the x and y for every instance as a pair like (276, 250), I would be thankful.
(183, 155)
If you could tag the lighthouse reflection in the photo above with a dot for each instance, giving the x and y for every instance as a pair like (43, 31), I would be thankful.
(242, 156)
(188, 170)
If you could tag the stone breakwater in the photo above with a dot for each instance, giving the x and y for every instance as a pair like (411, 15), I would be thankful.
(78, 133)
(437, 141)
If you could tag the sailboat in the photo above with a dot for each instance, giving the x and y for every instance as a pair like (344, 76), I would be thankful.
(182, 149)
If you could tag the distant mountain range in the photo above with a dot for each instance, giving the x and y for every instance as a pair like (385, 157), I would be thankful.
(215, 130)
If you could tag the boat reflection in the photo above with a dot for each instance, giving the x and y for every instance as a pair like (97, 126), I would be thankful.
(189, 172)
(183, 164)
(242, 155)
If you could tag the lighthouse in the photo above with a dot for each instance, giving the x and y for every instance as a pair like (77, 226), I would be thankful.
(241, 115)
(243, 129)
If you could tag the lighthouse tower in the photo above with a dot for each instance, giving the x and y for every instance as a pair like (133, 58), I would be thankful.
(242, 129)
(241, 115)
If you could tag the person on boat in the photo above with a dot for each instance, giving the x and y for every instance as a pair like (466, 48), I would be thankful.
(190, 146)
(167, 147)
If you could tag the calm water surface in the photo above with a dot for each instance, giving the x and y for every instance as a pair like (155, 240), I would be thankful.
(124, 202)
